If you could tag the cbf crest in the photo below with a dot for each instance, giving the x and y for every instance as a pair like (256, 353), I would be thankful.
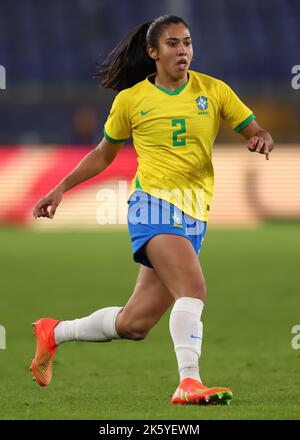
(202, 103)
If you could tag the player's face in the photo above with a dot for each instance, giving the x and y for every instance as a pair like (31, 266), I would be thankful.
(175, 51)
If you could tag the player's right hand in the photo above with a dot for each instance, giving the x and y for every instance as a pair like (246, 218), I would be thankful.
(51, 200)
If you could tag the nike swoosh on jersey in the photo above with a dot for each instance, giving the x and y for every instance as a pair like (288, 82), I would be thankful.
(143, 113)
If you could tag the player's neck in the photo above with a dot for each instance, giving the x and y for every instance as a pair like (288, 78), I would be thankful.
(166, 82)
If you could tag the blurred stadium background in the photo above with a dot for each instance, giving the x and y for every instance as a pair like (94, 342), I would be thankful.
(52, 112)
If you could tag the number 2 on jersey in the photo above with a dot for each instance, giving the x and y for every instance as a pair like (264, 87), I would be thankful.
(181, 123)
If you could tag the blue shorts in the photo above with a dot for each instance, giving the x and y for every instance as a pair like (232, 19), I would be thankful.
(149, 216)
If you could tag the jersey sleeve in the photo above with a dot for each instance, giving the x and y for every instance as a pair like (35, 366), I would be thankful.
(233, 109)
(118, 127)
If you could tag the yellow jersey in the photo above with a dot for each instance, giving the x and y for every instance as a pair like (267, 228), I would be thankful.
(173, 134)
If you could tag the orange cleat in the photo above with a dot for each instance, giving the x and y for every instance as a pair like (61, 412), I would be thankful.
(191, 391)
(41, 365)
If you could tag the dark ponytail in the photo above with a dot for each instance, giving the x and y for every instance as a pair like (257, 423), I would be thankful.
(129, 62)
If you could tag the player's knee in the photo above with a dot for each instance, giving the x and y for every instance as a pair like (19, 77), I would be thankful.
(138, 336)
(195, 289)
(136, 333)
(133, 331)
(199, 292)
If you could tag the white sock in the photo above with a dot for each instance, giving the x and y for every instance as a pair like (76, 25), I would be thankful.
(97, 327)
(186, 330)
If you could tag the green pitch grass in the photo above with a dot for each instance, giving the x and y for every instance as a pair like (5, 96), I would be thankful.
(253, 303)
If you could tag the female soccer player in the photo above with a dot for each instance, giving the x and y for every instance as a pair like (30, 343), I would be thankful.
(173, 115)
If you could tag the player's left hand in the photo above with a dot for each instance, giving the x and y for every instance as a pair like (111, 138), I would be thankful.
(260, 145)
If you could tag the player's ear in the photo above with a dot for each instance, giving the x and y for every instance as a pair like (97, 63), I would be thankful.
(153, 53)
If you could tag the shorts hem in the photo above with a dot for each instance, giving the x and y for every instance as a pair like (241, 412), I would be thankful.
(139, 255)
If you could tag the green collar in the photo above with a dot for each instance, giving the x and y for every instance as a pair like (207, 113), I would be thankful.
(168, 92)
(172, 92)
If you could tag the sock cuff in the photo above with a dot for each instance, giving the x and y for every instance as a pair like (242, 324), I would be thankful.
(188, 304)
(109, 322)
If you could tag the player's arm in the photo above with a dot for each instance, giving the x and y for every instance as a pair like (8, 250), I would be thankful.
(259, 140)
(92, 164)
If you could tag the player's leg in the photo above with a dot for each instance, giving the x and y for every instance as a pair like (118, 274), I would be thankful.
(145, 307)
(49, 333)
(176, 264)
(147, 304)
(149, 301)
